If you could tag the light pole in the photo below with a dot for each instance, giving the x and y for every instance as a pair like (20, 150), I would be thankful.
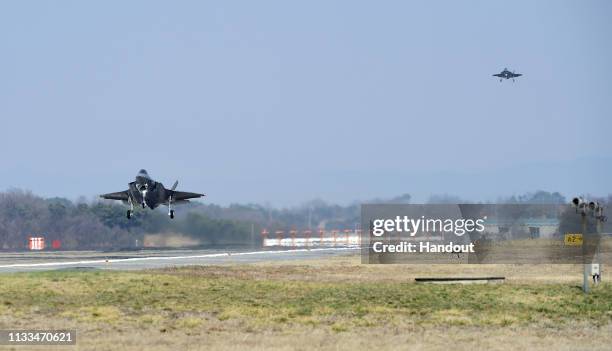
(596, 211)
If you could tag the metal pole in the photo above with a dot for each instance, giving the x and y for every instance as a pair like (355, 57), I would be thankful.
(597, 260)
(585, 278)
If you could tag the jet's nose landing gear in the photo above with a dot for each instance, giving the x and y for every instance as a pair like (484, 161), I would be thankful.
(171, 214)
(144, 205)
(129, 214)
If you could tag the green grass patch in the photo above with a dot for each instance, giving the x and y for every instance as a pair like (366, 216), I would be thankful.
(187, 301)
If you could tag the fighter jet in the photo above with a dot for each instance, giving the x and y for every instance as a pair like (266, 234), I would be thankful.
(149, 193)
(507, 74)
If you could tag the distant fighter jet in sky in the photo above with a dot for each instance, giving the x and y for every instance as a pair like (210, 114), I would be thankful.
(149, 193)
(507, 74)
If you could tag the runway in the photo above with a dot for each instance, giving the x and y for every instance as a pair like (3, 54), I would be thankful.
(149, 259)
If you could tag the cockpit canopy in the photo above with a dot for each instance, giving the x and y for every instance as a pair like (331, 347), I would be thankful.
(143, 174)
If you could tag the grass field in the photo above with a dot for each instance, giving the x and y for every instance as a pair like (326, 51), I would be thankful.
(333, 304)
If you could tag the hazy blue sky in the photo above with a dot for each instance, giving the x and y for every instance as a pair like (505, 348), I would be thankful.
(286, 101)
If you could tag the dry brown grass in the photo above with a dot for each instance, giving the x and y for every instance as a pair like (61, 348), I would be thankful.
(223, 335)
(350, 269)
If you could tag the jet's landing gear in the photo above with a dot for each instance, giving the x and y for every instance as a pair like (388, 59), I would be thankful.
(131, 209)
(170, 209)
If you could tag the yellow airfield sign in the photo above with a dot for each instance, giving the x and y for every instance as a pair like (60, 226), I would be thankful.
(573, 239)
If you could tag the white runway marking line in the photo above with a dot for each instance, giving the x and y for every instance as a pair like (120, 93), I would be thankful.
(125, 260)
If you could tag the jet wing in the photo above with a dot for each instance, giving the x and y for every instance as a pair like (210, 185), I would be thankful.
(183, 195)
(120, 195)
(498, 75)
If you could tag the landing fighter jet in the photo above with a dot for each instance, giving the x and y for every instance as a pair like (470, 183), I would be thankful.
(149, 193)
(507, 74)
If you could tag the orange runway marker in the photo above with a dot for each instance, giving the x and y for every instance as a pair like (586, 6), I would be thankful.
(279, 236)
(264, 236)
(307, 234)
(292, 232)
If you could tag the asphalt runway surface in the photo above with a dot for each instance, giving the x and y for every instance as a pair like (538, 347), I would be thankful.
(148, 259)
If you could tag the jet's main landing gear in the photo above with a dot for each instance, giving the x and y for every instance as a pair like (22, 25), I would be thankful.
(170, 209)
(131, 209)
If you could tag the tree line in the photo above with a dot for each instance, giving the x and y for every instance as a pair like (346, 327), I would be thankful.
(103, 224)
